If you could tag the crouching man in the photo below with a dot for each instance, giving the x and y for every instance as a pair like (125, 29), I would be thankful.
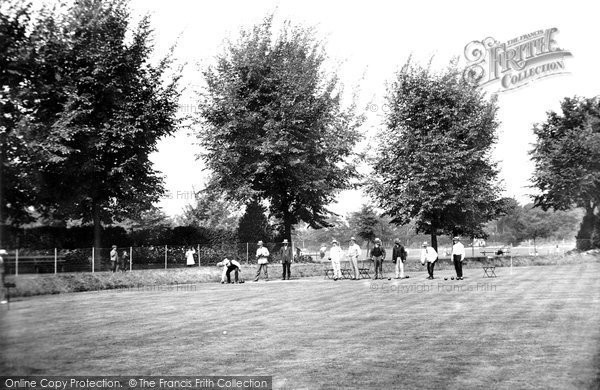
(229, 266)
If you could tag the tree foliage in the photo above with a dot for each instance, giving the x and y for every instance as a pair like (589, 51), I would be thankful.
(97, 108)
(567, 163)
(433, 162)
(210, 210)
(273, 125)
(254, 224)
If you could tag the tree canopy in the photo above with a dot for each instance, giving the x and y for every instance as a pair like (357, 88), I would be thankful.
(567, 163)
(432, 163)
(273, 125)
(96, 108)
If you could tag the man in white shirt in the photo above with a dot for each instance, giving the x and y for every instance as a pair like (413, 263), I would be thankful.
(353, 254)
(229, 266)
(335, 254)
(458, 255)
(262, 256)
(429, 255)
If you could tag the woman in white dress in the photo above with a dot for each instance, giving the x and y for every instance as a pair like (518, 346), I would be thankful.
(189, 255)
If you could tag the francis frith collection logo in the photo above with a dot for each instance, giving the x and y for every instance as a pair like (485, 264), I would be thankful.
(514, 63)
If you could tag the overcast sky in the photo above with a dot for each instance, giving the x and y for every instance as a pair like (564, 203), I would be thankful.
(375, 38)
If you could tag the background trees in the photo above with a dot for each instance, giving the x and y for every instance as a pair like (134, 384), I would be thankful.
(433, 158)
(567, 163)
(273, 125)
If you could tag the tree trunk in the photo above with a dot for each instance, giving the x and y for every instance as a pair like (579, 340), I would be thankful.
(586, 229)
(97, 230)
(433, 232)
(2, 201)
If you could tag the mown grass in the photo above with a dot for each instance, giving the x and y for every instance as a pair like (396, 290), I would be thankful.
(536, 328)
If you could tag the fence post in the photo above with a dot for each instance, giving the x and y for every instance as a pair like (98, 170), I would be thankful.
(55, 262)
(247, 254)
(198, 255)
(166, 256)
(130, 258)
(93, 254)
(17, 262)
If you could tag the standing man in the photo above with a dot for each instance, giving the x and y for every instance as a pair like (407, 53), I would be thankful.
(377, 256)
(335, 255)
(399, 257)
(262, 255)
(429, 255)
(114, 257)
(458, 255)
(285, 254)
(353, 254)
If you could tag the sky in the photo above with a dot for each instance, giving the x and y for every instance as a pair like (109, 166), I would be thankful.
(371, 40)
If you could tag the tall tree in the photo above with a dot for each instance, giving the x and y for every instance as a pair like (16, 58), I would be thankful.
(102, 107)
(273, 125)
(254, 224)
(16, 186)
(366, 222)
(433, 162)
(567, 163)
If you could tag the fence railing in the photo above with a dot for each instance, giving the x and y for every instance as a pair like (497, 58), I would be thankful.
(26, 261)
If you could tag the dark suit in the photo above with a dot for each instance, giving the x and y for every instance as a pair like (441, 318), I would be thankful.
(286, 255)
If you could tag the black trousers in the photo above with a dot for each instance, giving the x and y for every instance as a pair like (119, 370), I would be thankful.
(287, 267)
(228, 273)
(430, 268)
(458, 266)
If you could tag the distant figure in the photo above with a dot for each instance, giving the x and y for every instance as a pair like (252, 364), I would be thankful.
(285, 254)
(377, 256)
(189, 255)
(458, 255)
(262, 256)
(230, 266)
(322, 251)
(429, 255)
(335, 255)
(399, 257)
(353, 254)
(3, 299)
(114, 259)
(124, 261)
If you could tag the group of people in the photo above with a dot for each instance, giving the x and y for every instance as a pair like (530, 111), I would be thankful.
(430, 256)
(377, 255)
(118, 262)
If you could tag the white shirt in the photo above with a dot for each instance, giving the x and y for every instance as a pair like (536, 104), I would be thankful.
(458, 249)
(354, 251)
(428, 254)
(262, 254)
(335, 253)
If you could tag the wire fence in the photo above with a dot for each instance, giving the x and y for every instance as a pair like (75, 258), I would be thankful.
(25, 261)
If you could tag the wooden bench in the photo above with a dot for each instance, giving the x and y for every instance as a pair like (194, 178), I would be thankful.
(365, 271)
(489, 271)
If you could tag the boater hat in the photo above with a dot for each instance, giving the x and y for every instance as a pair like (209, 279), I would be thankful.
(334, 241)
(457, 238)
(285, 241)
(352, 239)
(424, 243)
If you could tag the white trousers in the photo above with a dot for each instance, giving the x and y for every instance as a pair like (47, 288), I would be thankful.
(335, 264)
(399, 269)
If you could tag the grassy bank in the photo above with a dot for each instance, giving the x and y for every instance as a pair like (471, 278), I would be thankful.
(42, 284)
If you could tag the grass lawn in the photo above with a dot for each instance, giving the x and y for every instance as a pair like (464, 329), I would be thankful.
(538, 328)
